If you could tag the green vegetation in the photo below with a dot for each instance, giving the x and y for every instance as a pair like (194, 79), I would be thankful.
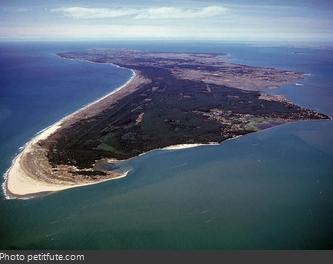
(165, 112)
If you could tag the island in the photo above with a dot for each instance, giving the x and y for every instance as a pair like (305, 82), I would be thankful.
(173, 100)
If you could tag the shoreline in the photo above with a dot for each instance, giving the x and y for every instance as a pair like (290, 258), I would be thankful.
(31, 173)
(15, 174)
(187, 146)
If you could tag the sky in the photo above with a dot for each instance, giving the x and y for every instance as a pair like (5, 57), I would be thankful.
(238, 20)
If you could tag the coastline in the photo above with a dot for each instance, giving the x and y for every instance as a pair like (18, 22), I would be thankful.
(17, 182)
(28, 177)
(186, 146)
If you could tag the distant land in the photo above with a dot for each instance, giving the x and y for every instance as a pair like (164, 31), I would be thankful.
(173, 100)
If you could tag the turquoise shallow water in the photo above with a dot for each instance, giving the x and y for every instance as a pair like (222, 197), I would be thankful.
(266, 190)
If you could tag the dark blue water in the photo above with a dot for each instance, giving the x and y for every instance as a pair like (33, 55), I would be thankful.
(266, 190)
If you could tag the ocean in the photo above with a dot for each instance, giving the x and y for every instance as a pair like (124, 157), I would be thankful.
(266, 190)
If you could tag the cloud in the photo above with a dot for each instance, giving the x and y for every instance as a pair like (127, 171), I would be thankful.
(89, 13)
(88, 31)
(148, 32)
(172, 12)
(142, 13)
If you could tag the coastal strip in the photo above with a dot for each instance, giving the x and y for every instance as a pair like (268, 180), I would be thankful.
(19, 183)
(186, 146)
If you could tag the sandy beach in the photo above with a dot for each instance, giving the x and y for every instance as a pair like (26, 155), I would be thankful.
(19, 183)
(186, 146)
